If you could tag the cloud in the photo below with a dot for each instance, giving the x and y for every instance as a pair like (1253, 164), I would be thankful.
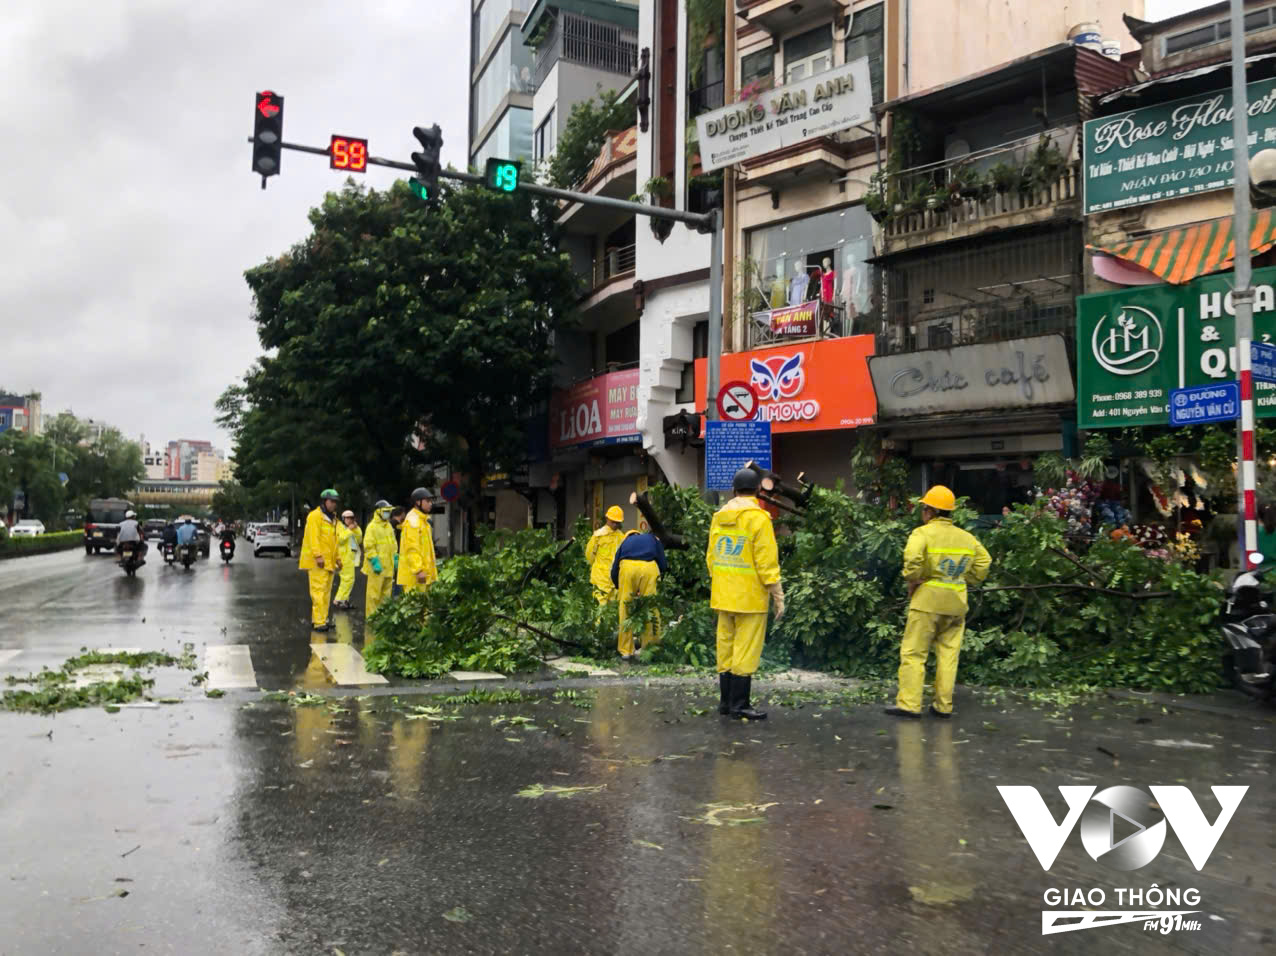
(129, 202)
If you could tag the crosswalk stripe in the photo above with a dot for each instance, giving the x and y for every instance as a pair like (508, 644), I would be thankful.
(345, 665)
(474, 675)
(6, 656)
(229, 667)
(567, 664)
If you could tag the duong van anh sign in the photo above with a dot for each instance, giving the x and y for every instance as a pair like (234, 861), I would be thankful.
(1171, 149)
(819, 105)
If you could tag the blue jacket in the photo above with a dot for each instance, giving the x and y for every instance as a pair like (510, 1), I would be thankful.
(638, 547)
(186, 534)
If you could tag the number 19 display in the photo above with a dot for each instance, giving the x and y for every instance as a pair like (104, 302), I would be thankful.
(502, 174)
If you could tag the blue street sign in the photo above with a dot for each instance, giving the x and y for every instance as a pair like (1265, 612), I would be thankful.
(729, 446)
(1207, 403)
(1262, 362)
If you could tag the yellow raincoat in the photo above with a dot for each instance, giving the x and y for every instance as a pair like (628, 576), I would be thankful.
(349, 545)
(939, 559)
(416, 552)
(379, 543)
(319, 541)
(600, 551)
(744, 565)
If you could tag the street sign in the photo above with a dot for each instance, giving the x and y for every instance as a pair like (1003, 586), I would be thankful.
(1262, 362)
(1209, 403)
(737, 402)
(729, 446)
(450, 491)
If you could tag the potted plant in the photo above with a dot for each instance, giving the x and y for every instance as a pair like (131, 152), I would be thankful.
(1005, 177)
(938, 196)
(1044, 167)
(878, 200)
(968, 181)
(915, 200)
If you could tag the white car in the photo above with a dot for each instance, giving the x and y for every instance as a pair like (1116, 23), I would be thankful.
(28, 527)
(250, 530)
(271, 537)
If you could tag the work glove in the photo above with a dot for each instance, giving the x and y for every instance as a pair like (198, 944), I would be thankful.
(376, 564)
(396, 562)
(318, 561)
(777, 599)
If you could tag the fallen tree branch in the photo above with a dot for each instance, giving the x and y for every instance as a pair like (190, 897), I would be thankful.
(1132, 595)
(538, 632)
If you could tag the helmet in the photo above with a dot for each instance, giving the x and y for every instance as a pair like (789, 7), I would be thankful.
(130, 514)
(347, 513)
(330, 493)
(381, 503)
(746, 479)
(190, 521)
(419, 493)
(939, 498)
(614, 513)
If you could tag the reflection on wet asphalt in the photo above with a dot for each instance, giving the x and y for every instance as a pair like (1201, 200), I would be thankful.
(364, 824)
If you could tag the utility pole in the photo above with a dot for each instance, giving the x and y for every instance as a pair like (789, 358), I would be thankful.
(1243, 295)
(728, 187)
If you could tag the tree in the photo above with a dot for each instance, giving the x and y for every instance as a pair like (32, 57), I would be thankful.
(584, 135)
(402, 335)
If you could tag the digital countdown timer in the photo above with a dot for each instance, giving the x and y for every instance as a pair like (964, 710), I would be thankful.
(502, 174)
(346, 152)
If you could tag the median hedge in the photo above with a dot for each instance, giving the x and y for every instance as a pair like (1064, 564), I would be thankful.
(1053, 611)
(17, 546)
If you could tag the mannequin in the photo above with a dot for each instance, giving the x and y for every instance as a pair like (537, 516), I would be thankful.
(854, 287)
(828, 279)
(779, 288)
(798, 284)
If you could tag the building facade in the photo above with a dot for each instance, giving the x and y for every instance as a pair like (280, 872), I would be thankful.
(500, 82)
(21, 413)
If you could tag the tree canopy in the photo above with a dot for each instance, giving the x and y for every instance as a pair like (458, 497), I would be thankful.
(400, 335)
(584, 135)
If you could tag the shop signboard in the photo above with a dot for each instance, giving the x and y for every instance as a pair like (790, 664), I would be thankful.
(1171, 149)
(1135, 345)
(1019, 373)
(600, 411)
(809, 387)
(796, 319)
(730, 446)
(818, 105)
(1213, 403)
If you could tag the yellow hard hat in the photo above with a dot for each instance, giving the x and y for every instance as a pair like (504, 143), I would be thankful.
(615, 514)
(940, 498)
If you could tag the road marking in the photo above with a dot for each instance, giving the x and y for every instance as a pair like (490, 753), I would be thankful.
(229, 667)
(474, 675)
(345, 665)
(567, 664)
(6, 656)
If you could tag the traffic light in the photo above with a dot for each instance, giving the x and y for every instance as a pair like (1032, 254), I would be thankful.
(268, 134)
(502, 174)
(426, 182)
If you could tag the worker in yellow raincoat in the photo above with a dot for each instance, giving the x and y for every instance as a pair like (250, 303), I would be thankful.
(635, 571)
(744, 566)
(600, 551)
(417, 566)
(319, 556)
(939, 560)
(349, 546)
(379, 551)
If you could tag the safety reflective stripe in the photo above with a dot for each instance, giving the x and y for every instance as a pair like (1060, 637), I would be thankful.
(951, 585)
(949, 550)
(733, 570)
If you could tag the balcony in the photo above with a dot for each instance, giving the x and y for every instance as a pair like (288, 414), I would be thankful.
(831, 324)
(1018, 184)
(588, 42)
(614, 263)
(778, 17)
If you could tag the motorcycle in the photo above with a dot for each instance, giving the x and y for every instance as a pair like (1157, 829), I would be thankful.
(188, 555)
(131, 558)
(228, 550)
(169, 550)
(1249, 633)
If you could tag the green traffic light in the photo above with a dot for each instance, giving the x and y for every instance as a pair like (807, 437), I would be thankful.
(419, 189)
(502, 174)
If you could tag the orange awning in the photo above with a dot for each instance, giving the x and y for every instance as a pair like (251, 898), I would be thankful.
(1181, 255)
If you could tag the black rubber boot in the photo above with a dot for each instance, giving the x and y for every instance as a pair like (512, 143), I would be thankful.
(740, 706)
(724, 688)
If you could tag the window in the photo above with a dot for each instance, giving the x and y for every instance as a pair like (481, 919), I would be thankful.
(509, 69)
(490, 19)
(1217, 31)
(699, 349)
(622, 345)
(865, 39)
(511, 138)
(758, 67)
(808, 54)
(546, 138)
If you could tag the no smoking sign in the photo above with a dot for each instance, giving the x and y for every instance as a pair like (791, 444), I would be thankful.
(737, 402)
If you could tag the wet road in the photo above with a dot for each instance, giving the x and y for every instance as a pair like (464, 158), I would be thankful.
(382, 820)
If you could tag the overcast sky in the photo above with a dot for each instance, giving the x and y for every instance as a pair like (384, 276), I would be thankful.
(1163, 9)
(129, 208)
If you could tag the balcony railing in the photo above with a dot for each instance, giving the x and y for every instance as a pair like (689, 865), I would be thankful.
(593, 43)
(616, 261)
(832, 325)
(1034, 312)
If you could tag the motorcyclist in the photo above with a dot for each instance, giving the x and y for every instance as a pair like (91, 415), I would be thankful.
(186, 533)
(228, 538)
(130, 533)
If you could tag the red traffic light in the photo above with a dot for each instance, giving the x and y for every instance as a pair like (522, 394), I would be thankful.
(266, 104)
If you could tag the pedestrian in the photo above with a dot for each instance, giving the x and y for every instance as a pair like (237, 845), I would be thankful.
(396, 522)
(417, 566)
(379, 553)
(319, 556)
(940, 559)
(744, 569)
(600, 551)
(349, 545)
(635, 572)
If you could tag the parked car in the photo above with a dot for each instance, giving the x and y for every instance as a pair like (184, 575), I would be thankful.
(27, 528)
(271, 537)
(102, 523)
(154, 529)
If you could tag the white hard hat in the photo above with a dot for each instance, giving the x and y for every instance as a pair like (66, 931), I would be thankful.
(130, 514)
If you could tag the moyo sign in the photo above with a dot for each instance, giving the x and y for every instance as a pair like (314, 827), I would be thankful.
(1136, 345)
(809, 387)
(1173, 149)
(817, 106)
(600, 411)
(1013, 374)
